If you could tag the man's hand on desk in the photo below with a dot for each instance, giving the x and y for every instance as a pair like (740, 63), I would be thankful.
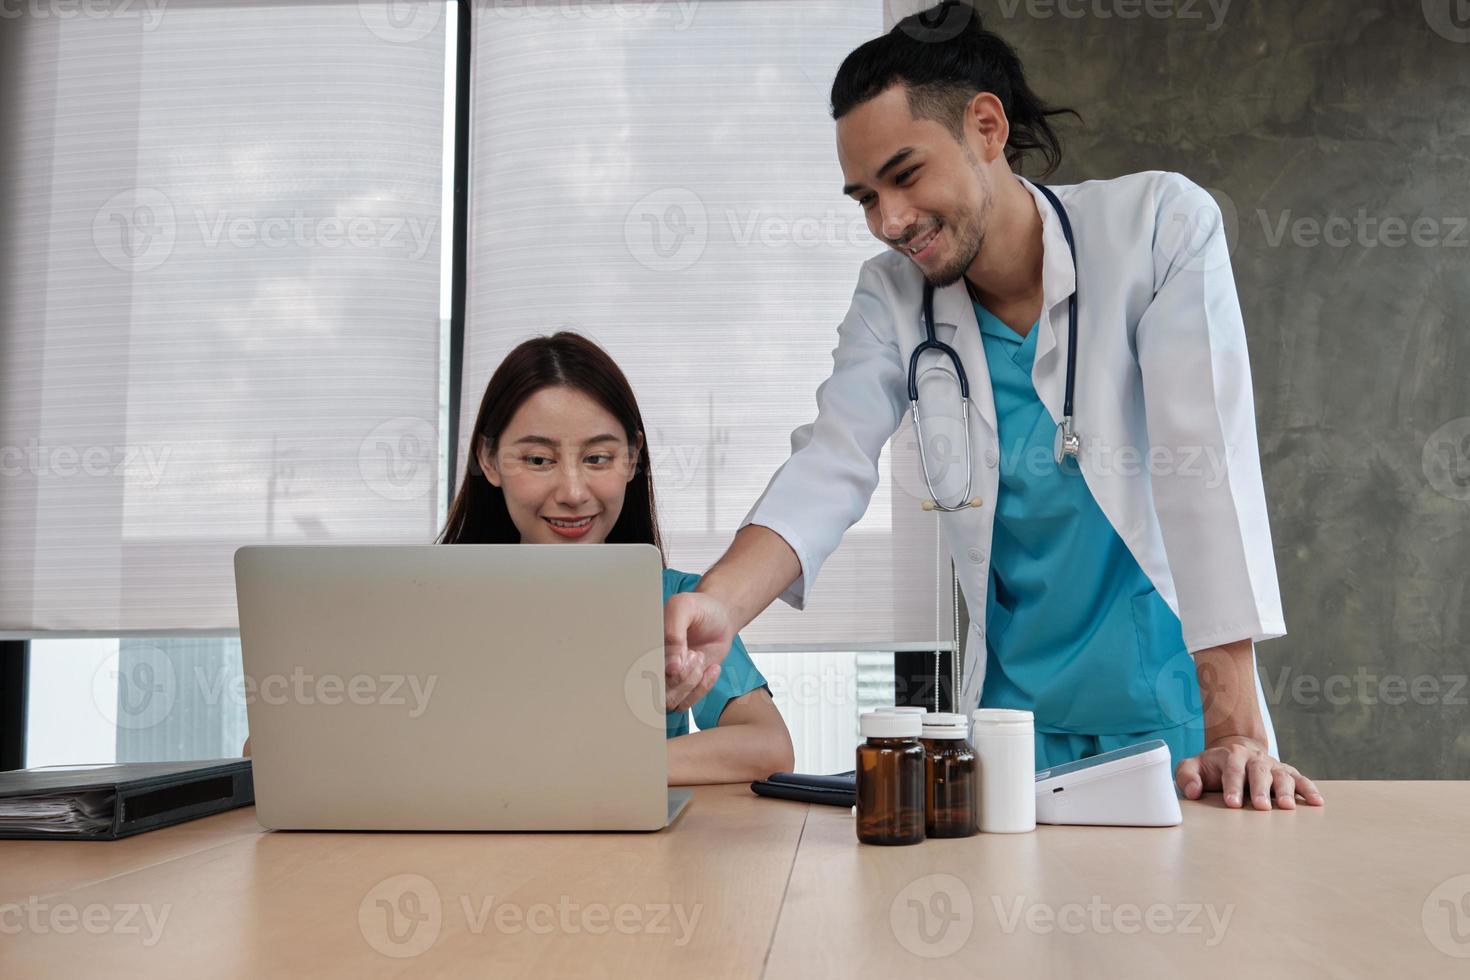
(697, 635)
(1235, 756)
(1232, 760)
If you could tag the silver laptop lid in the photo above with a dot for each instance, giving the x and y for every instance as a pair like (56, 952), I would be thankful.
(455, 687)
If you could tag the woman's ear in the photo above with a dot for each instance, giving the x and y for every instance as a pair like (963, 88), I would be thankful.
(486, 461)
(637, 450)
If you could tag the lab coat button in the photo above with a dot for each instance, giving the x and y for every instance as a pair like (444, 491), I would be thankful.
(990, 458)
(975, 555)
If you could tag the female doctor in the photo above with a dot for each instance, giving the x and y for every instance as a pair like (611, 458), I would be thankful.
(1115, 593)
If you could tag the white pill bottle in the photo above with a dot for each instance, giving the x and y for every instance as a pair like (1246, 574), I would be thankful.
(1005, 745)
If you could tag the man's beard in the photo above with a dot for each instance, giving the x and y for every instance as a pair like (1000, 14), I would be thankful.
(968, 229)
(969, 237)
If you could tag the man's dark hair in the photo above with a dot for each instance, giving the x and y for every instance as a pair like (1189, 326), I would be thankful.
(943, 57)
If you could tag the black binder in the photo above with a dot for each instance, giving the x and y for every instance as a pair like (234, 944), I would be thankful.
(111, 801)
(836, 790)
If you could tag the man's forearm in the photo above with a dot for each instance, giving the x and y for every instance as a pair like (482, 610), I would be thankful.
(756, 569)
(1227, 683)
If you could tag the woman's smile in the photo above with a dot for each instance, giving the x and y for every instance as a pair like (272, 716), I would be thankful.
(569, 527)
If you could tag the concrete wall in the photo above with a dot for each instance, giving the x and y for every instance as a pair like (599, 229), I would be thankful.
(1294, 114)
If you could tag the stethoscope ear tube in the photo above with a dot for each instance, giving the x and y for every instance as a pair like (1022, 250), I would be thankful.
(932, 342)
(966, 499)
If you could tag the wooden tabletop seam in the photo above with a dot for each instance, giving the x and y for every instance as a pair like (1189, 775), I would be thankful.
(785, 888)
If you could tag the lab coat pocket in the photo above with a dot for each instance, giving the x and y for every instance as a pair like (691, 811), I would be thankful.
(1166, 666)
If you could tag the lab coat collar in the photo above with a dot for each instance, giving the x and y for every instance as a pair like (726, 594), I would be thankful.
(1058, 277)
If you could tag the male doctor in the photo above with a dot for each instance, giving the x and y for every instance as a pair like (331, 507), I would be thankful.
(1116, 595)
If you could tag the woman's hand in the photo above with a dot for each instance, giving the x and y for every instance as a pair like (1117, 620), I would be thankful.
(1232, 761)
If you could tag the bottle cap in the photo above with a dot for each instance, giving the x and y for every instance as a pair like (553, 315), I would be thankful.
(1002, 719)
(945, 724)
(903, 709)
(885, 724)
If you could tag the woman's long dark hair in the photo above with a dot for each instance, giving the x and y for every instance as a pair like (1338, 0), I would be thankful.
(943, 56)
(567, 360)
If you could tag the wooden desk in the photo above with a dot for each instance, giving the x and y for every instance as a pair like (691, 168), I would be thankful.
(1334, 891)
(42, 868)
(745, 887)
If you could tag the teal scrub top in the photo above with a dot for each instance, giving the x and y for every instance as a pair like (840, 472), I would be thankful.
(1075, 631)
(737, 674)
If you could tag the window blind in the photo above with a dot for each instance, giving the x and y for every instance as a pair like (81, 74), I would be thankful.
(662, 178)
(220, 297)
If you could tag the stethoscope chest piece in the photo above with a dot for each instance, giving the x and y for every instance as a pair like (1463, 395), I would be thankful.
(1067, 442)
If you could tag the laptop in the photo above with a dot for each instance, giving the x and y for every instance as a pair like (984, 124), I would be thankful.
(461, 687)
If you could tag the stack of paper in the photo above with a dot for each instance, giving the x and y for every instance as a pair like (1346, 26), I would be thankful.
(66, 813)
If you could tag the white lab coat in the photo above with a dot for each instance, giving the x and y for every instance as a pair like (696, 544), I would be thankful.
(1163, 406)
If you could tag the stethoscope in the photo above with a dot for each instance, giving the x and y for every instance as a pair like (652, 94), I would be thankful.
(1067, 442)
